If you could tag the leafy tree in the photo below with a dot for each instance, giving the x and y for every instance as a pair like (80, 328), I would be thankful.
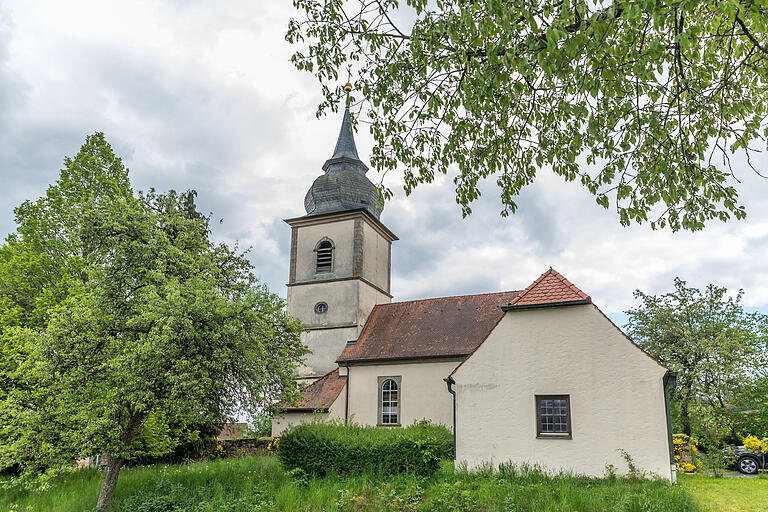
(164, 330)
(46, 255)
(642, 102)
(751, 414)
(39, 266)
(707, 337)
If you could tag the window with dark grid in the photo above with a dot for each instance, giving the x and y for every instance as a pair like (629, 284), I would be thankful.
(389, 399)
(553, 415)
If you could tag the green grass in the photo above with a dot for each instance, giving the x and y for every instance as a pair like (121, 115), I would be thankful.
(260, 484)
(727, 494)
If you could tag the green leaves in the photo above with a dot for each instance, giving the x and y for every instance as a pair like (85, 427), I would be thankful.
(152, 330)
(637, 99)
(715, 346)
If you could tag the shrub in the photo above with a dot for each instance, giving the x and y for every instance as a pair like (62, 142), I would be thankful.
(332, 448)
(685, 448)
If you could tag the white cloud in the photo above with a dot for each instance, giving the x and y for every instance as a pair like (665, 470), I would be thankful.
(202, 95)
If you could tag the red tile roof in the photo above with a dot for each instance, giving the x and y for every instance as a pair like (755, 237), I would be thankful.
(320, 394)
(549, 289)
(442, 327)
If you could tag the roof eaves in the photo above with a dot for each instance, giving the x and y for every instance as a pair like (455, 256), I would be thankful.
(547, 304)
(403, 358)
(304, 409)
(309, 217)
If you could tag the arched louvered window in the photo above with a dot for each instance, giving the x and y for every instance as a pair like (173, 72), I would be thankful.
(324, 256)
(390, 399)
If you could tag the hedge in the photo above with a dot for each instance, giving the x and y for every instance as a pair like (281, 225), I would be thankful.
(333, 448)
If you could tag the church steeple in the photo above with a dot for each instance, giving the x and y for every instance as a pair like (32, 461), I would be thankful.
(340, 255)
(345, 153)
(344, 185)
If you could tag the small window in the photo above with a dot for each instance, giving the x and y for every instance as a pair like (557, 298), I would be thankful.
(324, 256)
(389, 402)
(553, 416)
(321, 307)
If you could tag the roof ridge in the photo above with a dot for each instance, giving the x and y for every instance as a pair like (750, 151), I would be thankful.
(557, 275)
(569, 284)
(530, 287)
(450, 297)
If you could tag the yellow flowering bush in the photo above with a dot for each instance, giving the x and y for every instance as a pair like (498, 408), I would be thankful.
(755, 445)
(274, 444)
(218, 450)
(683, 446)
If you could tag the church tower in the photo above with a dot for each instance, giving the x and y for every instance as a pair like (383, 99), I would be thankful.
(340, 256)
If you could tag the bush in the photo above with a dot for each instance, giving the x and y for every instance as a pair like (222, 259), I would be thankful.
(319, 449)
(685, 450)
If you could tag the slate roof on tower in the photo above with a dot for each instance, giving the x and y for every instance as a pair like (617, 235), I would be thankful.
(344, 185)
(429, 328)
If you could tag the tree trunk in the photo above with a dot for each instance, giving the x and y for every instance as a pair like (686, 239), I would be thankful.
(109, 484)
(685, 417)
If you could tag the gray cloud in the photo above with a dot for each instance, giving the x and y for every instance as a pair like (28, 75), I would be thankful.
(202, 95)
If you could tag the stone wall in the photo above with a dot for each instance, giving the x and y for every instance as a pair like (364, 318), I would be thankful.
(246, 446)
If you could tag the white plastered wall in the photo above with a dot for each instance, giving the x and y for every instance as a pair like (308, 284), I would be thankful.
(423, 393)
(616, 395)
(341, 232)
(349, 300)
(325, 346)
(376, 265)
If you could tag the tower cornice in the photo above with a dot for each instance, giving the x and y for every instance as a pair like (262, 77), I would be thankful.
(311, 220)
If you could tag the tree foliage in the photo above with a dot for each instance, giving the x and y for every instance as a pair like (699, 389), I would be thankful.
(716, 347)
(40, 265)
(642, 102)
(157, 330)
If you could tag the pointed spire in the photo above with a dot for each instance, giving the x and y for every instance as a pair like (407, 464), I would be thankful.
(345, 153)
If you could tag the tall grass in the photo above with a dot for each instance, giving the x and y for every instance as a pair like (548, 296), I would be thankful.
(260, 484)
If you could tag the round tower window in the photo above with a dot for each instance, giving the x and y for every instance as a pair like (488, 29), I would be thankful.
(321, 307)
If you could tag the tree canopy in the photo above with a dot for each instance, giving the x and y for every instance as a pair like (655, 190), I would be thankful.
(156, 329)
(719, 350)
(642, 102)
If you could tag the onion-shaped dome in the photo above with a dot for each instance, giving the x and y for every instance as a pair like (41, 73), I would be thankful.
(344, 185)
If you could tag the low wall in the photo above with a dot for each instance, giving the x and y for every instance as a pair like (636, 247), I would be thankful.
(246, 446)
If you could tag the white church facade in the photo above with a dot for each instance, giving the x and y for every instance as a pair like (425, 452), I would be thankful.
(536, 376)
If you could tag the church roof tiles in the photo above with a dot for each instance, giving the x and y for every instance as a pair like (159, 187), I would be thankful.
(550, 289)
(321, 393)
(429, 328)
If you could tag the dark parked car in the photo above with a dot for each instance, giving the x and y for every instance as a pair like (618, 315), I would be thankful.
(748, 462)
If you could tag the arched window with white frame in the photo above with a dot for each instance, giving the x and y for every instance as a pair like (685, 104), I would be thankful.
(324, 256)
(389, 405)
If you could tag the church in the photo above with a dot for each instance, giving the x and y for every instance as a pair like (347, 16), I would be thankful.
(538, 376)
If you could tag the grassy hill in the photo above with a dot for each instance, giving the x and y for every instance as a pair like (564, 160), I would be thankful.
(260, 484)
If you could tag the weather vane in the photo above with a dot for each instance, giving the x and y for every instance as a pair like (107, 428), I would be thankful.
(348, 85)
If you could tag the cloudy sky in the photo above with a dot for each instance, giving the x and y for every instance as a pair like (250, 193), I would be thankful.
(201, 94)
